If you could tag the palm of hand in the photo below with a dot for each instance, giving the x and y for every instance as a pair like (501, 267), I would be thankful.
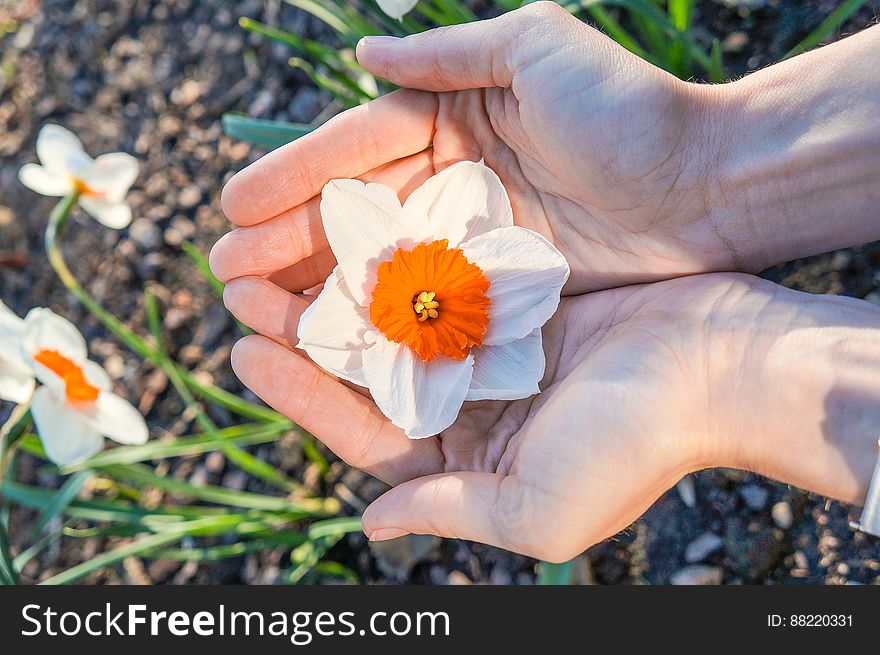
(609, 432)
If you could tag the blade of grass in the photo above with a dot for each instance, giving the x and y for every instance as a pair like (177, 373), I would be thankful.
(8, 572)
(201, 262)
(555, 574)
(21, 560)
(61, 499)
(680, 12)
(236, 455)
(343, 93)
(212, 553)
(834, 20)
(262, 132)
(140, 475)
(716, 64)
(242, 435)
(136, 547)
(330, 13)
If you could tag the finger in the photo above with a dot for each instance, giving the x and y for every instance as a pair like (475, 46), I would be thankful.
(470, 56)
(349, 424)
(265, 308)
(356, 141)
(464, 505)
(298, 233)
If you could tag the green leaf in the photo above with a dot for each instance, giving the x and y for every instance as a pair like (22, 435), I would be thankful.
(834, 20)
(8, 572)
(336, 570)
(140, 475)
(262, 132)
(136, 547)
(334, 527)
(242, 435)
(61, 499)
(716, 65)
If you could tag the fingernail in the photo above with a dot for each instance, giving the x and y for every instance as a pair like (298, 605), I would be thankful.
(384, 534)
(377, 41)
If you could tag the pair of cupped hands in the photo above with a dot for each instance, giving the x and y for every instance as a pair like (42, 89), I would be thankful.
(656, 365)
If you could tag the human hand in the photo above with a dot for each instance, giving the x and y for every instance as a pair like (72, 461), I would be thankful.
(594, 146)
(643, 384)
(634, 175)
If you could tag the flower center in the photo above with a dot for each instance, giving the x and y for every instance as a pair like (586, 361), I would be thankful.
(84, 189)
(77, 388)
(425, 306)
(405, 311)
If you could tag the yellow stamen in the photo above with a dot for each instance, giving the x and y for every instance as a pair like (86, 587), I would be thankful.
(425, 306)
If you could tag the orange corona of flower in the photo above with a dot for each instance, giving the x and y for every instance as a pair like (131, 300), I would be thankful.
(432, 299)
(77, 388)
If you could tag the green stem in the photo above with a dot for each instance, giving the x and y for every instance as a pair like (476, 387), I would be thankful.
(17, 424)
(238, 456)
(230, 401)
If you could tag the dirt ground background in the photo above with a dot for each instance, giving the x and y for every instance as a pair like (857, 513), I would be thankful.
(152, 77)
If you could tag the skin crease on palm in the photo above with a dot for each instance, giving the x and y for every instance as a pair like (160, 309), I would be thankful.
(643, 382)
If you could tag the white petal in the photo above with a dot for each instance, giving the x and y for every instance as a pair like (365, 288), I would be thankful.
(61, 152)
(16, 378)
(117, 418)
(397, 8)
(332, 329)
(508, 372)
(422, 398)
(461, 202)
(45, 330)
(16, 381)
(525, 272)
(67, 436)
(365, 224)
(39, 179)
(96, 375)
(112, 175)
(112, 214)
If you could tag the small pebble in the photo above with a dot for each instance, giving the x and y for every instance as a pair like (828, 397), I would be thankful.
(754, 496)
(701, 547)
(146, 235)
(782, 515)
(697, 574)
(686, 490)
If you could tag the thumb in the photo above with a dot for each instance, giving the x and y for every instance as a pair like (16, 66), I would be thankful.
(474, 55)
(473, 506)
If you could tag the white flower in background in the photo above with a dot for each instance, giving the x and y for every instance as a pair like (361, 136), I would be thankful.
(16, 378)
(74, 409)
(435, 302)
(66, 168)
(397, 8)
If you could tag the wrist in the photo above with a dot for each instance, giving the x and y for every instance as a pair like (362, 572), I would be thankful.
(790, 155)
(804, 405)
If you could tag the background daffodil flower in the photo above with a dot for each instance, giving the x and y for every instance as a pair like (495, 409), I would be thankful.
(16, 378)
(66, 168)
(74, 409)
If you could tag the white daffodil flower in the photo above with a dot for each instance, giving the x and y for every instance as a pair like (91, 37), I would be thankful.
(74, 408)
(102, 183)
(397, 9)
(16, 378)
(435, 302)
